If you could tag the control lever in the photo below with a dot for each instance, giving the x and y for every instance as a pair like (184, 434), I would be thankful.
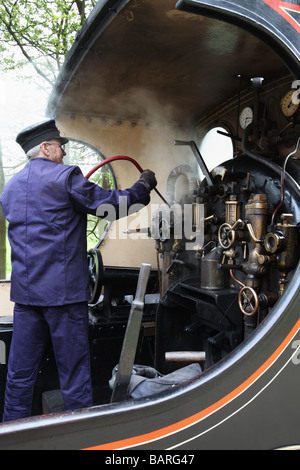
(124, 371)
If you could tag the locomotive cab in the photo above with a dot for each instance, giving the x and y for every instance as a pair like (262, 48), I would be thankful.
(224, 241)
(150, 81)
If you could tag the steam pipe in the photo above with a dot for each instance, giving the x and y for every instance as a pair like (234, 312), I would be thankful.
(122, 157)
(265, 161)
(199, 158)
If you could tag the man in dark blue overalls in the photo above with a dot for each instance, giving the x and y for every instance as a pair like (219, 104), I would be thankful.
(46, 205)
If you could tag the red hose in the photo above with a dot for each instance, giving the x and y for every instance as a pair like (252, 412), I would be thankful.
(122, 157)
(111, 159)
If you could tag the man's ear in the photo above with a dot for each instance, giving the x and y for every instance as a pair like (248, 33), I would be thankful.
(44, 148)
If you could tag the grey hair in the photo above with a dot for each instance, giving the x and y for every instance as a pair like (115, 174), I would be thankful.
(34, 151)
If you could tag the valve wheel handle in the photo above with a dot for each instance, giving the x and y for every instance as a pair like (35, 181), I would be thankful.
(226, 236)
(96, 272)
(248, 301)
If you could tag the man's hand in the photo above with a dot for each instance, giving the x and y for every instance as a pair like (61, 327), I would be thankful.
(148, 179)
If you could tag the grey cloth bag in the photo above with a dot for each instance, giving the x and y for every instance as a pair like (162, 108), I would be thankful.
(141, 387)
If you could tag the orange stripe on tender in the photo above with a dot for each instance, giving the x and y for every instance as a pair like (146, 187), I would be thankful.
(180, 425)
(283, 8)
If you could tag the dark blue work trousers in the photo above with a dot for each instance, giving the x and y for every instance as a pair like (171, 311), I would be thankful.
(68, 327)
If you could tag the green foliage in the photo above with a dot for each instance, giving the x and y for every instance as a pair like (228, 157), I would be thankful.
(40, 32)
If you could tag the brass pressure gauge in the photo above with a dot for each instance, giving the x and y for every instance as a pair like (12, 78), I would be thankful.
(246, 117)
(287, 105)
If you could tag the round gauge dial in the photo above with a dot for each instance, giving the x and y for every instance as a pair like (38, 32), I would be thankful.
(246, 117)
(288, 106)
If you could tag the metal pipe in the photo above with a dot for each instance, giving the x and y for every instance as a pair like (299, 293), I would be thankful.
(185, 356)
(199, 158)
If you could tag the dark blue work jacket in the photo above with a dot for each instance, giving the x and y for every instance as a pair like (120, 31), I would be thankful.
(46, 205)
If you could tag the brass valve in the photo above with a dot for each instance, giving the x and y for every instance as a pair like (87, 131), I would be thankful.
(226, 236)
(248, 301)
